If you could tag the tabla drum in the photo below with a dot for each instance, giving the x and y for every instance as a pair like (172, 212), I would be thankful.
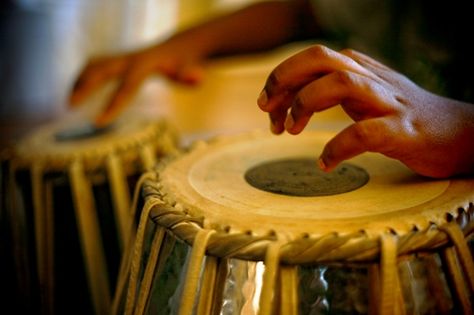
(70, 189)
(247, 224)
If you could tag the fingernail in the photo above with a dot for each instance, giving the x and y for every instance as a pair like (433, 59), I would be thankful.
(289, 122)
(262, 99)
(321, 164)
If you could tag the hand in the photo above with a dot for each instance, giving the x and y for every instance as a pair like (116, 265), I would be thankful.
(430, 134)
(177, 59)
(182, 56)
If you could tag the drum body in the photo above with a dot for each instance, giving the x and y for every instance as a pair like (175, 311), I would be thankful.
(70, 209)
(246, 225)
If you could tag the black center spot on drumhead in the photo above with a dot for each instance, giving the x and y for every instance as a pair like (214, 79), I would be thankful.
(302, 177)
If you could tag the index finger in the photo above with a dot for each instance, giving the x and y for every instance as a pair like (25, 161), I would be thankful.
(94, 76)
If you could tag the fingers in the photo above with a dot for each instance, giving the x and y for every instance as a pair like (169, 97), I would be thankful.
(122, 96)
(372, 135)
(278, 115)
(277, 118)
(301, 69)
(131, 70)
(360, 96)
(95, 75)
(189, 73)
(299, 115)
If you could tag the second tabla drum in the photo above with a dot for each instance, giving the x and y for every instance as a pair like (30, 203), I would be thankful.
(70, 188)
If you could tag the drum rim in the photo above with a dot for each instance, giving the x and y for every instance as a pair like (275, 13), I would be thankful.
(360, 246)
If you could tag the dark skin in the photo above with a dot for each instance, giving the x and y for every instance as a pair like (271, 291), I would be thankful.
(429, 133)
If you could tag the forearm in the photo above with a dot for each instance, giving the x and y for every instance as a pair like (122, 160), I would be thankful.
(255, 28)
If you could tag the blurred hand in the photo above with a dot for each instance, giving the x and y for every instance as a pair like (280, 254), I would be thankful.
(175, 59)
(430, 134)
(182, 56)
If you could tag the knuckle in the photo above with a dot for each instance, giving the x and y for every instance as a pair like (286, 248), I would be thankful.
(374, 136)
(362, 134)
(319, 51)
(348, 52)
(345, 77)
(300, 103)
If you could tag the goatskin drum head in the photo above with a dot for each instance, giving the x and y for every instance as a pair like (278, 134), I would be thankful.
(261, 182)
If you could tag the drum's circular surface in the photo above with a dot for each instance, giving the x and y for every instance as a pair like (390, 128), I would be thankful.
(209, 181)
(62, 141)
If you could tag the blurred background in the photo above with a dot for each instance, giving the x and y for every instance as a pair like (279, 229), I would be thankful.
(45, 43)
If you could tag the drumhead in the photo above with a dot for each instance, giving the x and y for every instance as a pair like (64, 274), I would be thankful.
(210, 182)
